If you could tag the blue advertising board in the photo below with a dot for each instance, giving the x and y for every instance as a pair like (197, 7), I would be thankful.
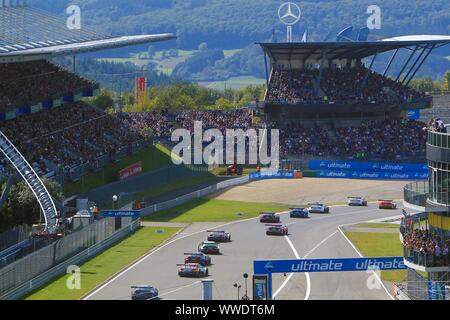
(436, 290)
(121, 214)
(281, 174)
(414, 114)
(373, 175)
(368, 166)
(328, 265)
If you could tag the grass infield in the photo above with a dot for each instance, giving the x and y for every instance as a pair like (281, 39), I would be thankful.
(380, 245)
(105, 265)
(213, 210)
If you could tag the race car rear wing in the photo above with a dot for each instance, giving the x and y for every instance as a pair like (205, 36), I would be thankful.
(297, 208)
(386, 200)
(216, 231)
(274, 225)
(191, 254)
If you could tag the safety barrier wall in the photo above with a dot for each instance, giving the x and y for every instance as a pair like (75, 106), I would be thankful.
(30, 266)
(56, 271)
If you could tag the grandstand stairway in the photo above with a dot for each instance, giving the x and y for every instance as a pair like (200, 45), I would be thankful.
(33, 181)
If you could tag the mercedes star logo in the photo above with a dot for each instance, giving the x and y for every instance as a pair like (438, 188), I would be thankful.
(289, 13)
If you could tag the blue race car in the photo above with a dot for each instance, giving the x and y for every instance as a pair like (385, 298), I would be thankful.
(299, 213)
(144, 293)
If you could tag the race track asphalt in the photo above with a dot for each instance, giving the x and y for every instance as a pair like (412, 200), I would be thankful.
(316, 237)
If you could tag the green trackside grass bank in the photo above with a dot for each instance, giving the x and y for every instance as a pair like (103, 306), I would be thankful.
(153, 158)
(100, 268)
(378, 225)
(380, 245)
(213, 210)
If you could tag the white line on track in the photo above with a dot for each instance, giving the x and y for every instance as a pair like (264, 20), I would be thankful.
(359, 253)
(180, 288)
(143, 258)
(297, 256)
(104, 285)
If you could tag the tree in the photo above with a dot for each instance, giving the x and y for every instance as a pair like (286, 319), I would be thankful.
(22, 207)
(104, 101)
(203, 47)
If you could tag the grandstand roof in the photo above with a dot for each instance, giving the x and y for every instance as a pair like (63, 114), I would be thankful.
(27, 32)
(352, 50)
(49, 48)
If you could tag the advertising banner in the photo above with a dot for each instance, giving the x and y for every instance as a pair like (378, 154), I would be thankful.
(121, 214)
(131, 171)
(372, 175)
(368, 166)
(328, 265)
(281, 174)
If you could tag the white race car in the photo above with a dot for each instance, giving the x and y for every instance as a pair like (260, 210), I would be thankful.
(318, 208)
(357, 201)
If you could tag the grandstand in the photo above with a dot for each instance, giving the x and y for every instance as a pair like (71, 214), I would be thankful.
(327, 82)
(45, 128)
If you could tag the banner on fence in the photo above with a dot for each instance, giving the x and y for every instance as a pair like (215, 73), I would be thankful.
(280, 174)
(372, 175)
(131, 171)
(368, 166)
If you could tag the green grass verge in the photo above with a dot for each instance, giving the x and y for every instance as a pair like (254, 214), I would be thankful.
(153, 158)
(380, 245)
(377, 225)
(199, 179)
(99, 269)
(213, 210)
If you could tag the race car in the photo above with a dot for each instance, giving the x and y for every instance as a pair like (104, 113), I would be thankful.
(209, 247)
(144, 293)
(269, 217)
(387, 204)
(318, 208)
(199, 258)
(276, 230)
(219, 236)
(192, 270)
(357, 201)
(299, 213)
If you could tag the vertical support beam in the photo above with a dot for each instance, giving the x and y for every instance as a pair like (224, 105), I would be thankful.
(420, 65)
(406, 64)
(269, 286)
(390, 62)
(267, 72)
(368, 70)
(414, 64)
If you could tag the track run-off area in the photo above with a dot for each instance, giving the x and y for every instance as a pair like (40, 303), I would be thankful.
(320, 236)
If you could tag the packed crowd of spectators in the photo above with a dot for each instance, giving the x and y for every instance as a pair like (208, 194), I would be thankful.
(69, 136)
(27, 83)
(336, 85)
(378, 139)
(425, 244)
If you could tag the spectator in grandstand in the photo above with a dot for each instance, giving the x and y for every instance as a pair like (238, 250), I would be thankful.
(341, 85)
(28, 83)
